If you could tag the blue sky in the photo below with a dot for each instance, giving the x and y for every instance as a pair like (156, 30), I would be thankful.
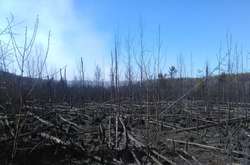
(86, 28)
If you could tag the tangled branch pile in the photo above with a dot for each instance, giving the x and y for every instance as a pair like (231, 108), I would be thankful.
(125, 134)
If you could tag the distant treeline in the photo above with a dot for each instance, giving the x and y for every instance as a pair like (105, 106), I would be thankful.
(221, 88)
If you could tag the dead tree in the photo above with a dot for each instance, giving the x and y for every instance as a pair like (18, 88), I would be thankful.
(22, 55)
(141, 63)
(206, 95)
(180, 65)
(4, 56)
(157, 89)
(229, 54)
(82, 73)
(97, 76)
(112, 77)
(129, 68)
(116, 69)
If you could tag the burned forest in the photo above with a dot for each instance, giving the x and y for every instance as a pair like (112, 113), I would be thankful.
(143, 111)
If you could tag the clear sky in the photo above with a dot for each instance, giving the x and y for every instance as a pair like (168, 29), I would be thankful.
(86, 28)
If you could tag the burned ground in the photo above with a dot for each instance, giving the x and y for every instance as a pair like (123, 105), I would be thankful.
(106, 133)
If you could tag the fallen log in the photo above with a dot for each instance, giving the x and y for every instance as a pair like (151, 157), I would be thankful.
(232, 121)
(40, 119)
(124, 135)
(155, 160)
(207, 147)
(139, 144)
(70, 123)
(163, 157)
(135, 157)
(54, 139)
(191, 156)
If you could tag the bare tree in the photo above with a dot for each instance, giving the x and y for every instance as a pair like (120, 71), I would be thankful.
(116, 67)
(112, 78)
(82, 73)
(5, 55)
(159, 43)
(22, 53)
(180, 64)
(191, 65)
(181, 71)
(219, 59)
(242, 60)
(157, 92)
(129, 69)
(229, 54)
(22, 56)
(97, 76)
(141, 63)
(5, 46)
(206, 85)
